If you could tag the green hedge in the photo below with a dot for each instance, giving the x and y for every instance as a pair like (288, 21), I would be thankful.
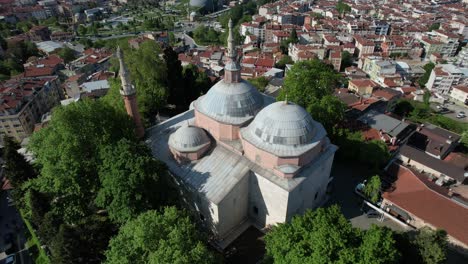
(42, 258)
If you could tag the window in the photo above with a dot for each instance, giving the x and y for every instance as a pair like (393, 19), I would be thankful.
(202, 217)
(316, 195)
(255, 210)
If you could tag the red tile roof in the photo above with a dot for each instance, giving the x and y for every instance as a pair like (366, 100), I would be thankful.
(413, 195)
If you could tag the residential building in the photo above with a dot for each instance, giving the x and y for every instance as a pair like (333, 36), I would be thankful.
(380, 27)
(24, 101)
(444, 77)
(376, 68)
(362, 86)
(460, 94)
(418, 201)
(335, 59)
(462, 58)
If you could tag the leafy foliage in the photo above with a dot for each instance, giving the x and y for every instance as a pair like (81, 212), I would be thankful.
(283, 61)
(153, 237)
(309, 81)
(428, 69)
(129, 162)
(206, 36)
(346, 60)
(342, 7)
(260, 83)
(68, 153)
(329, 111)
(372, 188)
(66, 54)
(432, 245)
(17, 169)
(325, 236)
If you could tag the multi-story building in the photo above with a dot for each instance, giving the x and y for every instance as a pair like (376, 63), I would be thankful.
(255, 29)
(460, 93)
(462, 59)
(24, 101)
(335, 59)
(375, 67)
(444, 43)
(364, 47)
(380, 27)
(444, 77)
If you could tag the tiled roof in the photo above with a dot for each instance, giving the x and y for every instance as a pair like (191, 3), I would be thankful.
(415, 196)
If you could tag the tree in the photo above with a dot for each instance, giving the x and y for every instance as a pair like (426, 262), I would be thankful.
(82, 30)
(325, 236)
(132, 181)
(346, 60)
(17, 169)
(84, 242)
(66, 54)
(283, 61)
(401, 107)
(293, 36)
(174, 80)
(378, 246)
(428, 69)
(153, 237)
(67, 151)
(372, 188)
(260, 83)
(329, 111)
(342, 8)
(432, 245)
(308, 81)
(434, 26)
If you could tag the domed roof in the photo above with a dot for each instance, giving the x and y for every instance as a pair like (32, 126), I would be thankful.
(232, 103)
(188, 139)
(284, 129)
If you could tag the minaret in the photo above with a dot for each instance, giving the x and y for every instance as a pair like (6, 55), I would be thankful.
(128, 92)
(232, 68)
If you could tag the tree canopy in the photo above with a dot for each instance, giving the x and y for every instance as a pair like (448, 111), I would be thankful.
(66, 54)
(158, 237)
(309, 81)
(260, 83)
(428, 69)
(67, 151)
(325, 236)
(372, 188)
(17, 169)
(130, 162)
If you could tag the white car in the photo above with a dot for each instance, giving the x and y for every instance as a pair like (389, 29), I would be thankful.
(461, 114)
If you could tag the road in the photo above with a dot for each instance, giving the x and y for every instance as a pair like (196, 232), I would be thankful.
(12, 223)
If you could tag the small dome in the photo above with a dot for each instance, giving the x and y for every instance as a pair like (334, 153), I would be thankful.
(232, 103)
(284, 129)
(188, 139)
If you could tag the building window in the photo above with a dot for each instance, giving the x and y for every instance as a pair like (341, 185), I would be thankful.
(316, 195)
(202, 217)
(255, 210)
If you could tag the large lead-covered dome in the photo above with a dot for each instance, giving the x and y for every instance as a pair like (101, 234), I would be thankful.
(207, 4)
(231, 103)
(284, 129)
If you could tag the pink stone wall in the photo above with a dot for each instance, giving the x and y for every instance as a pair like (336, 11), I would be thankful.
(218, 130)
(270, 161)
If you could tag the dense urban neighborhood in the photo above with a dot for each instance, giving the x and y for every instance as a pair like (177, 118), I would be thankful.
(214, 131)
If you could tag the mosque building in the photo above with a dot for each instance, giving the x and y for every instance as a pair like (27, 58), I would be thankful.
(241, 159)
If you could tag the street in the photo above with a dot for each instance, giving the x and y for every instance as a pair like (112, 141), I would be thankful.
(12, 231)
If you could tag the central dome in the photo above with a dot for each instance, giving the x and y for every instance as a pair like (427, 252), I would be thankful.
(284, 129)
(231, 103)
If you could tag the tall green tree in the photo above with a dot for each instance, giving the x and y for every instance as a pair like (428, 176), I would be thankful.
(66, 54)
(325, 236)
(427, 73)
(174, 81)
(372, 188)
(342, 8)
(329, 111)
(431, 245)
(153, 237)
(17, 169)
(67, 151)
(378, 246)
(309, 81)
(84, 242)
(132, 181)
(346, 60)
(260, 83)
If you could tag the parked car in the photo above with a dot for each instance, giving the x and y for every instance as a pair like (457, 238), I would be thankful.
(461, 114)
(372, 214)
(10, 259)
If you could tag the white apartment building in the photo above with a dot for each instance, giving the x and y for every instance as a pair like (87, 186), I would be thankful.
(446, 76)
(460, 93)
(253, 29)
